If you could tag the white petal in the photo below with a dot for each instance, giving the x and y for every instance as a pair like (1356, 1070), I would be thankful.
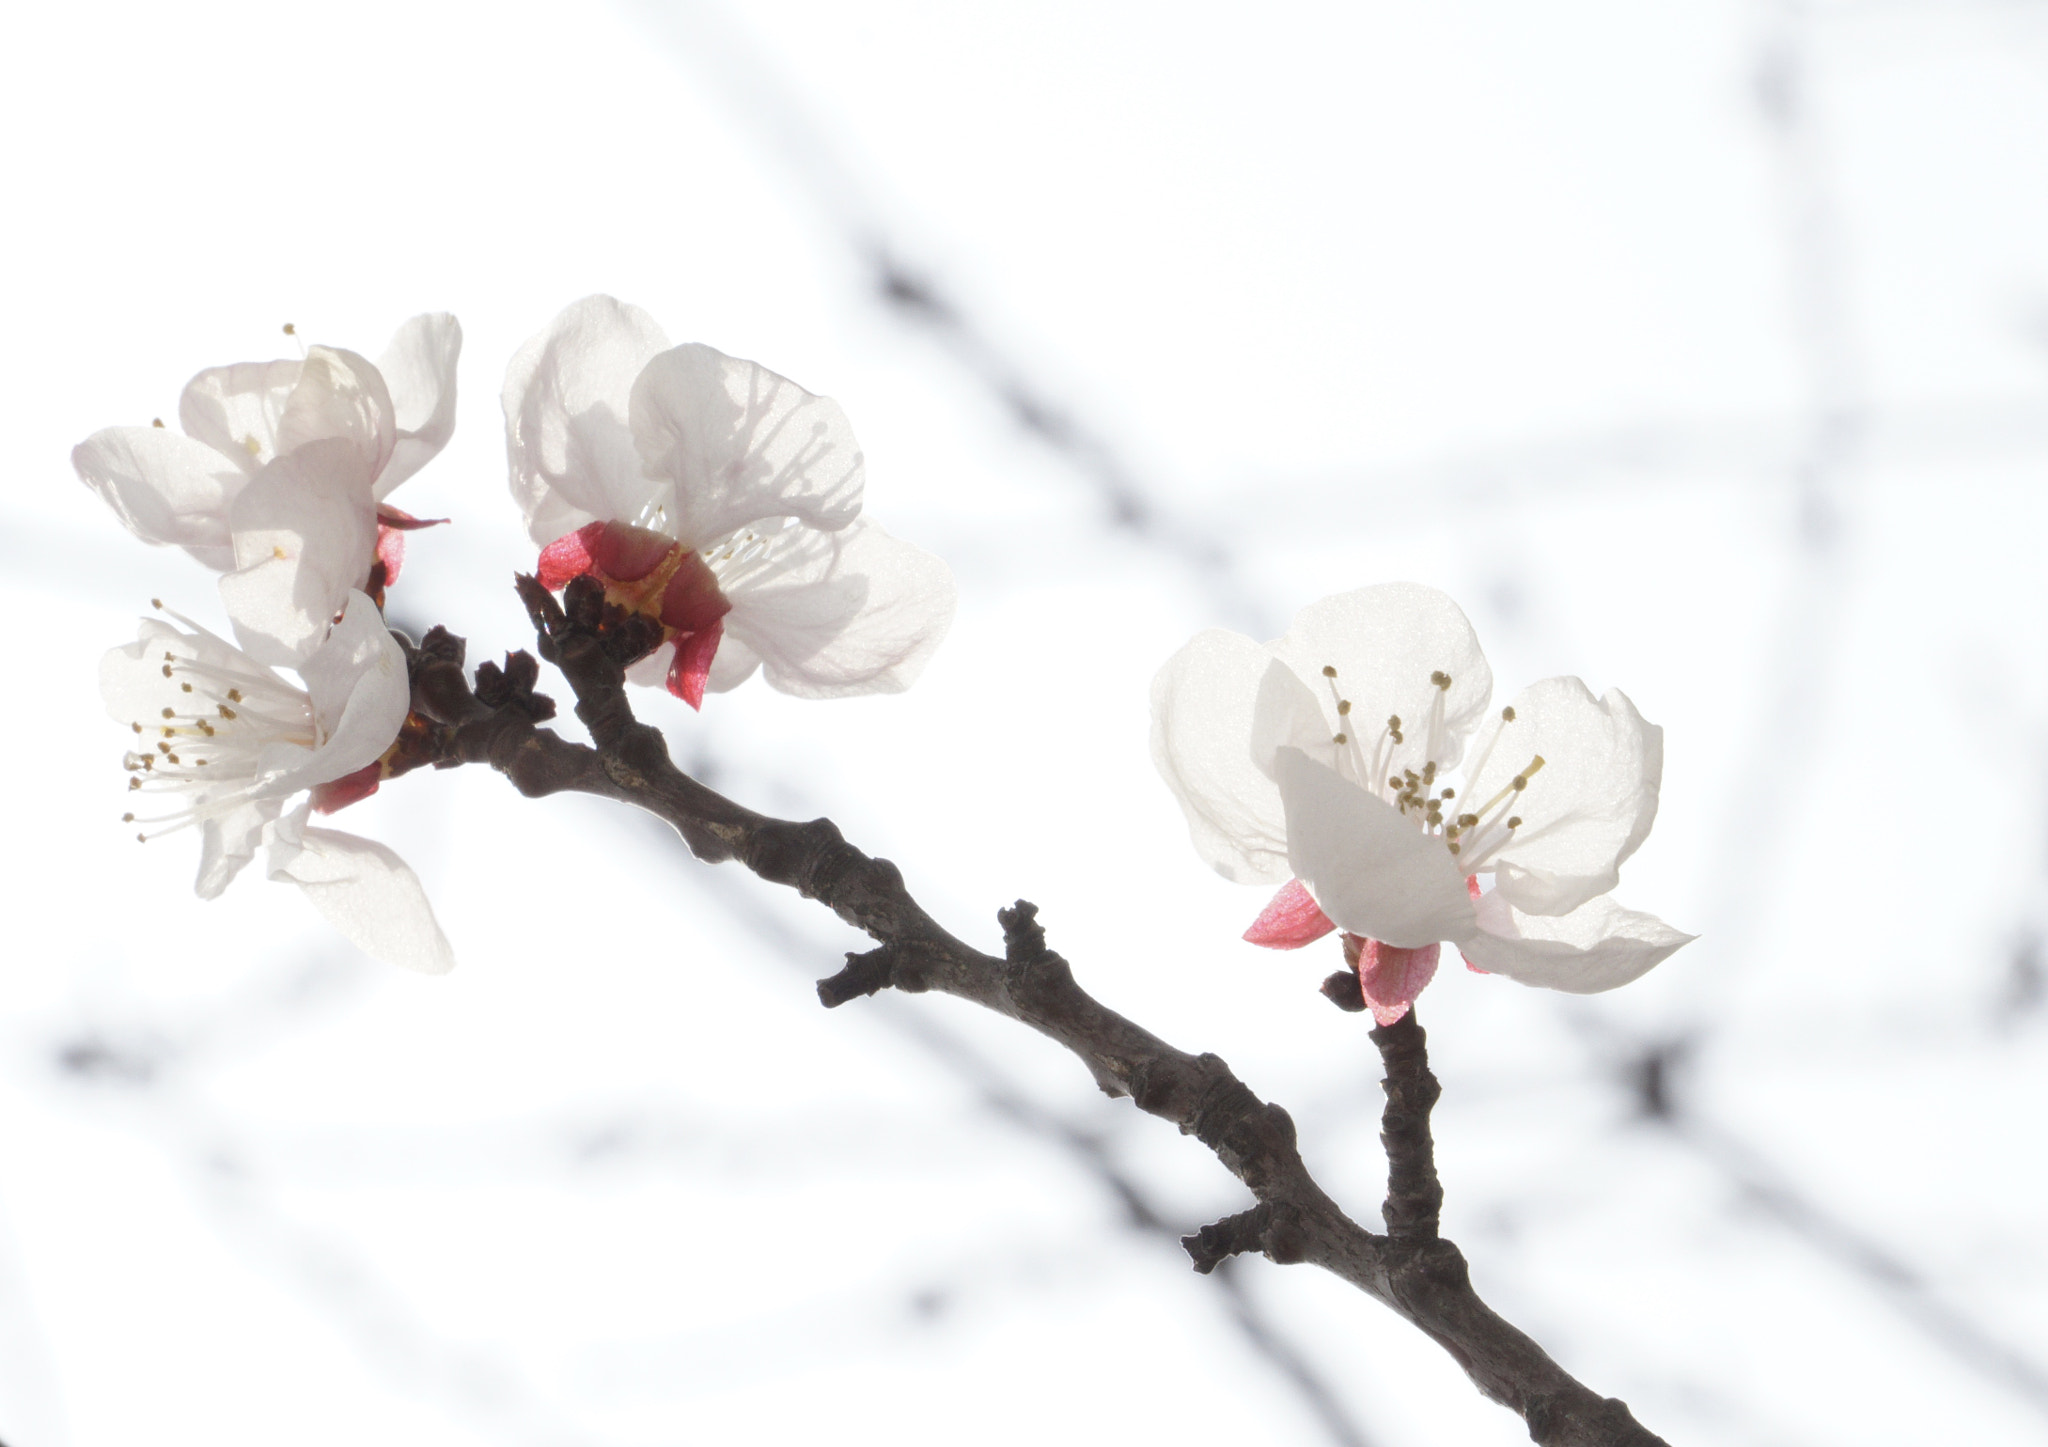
(734, 663)
(1589, 806)
(365, 890)
(305, 533)
(1203, 700)
(1370, 869)
(236, 410)
(836, 614)
(1386, 642)
(419, 368)
(228, 840)
(360, 697)
(1596, 947)
(339, 395)
(566, 401)
(1289, 715)
(164, 486)
(736, 443)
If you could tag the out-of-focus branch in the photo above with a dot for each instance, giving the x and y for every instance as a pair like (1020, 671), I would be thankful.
(1412, 1269)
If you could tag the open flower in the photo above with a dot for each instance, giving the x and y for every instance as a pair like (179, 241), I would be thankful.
(225, 744)
(722, 501)
(1331, 758)
(193, 489)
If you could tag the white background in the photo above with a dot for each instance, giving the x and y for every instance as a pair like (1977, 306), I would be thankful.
(1699, 350)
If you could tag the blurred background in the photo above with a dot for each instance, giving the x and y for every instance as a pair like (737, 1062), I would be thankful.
(1699, 350)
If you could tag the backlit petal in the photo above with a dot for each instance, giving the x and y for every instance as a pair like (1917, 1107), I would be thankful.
(566, 401)
(735, 443)
(365, 891)
(165, 487)
(236, 410)
(1203, 700)
(305, 534)
(1598, 946)
(1370, 869)
(1589, 806)
(419, 368)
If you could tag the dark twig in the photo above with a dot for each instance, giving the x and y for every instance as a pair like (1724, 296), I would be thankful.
(1422, 1277)
(1415, 1197)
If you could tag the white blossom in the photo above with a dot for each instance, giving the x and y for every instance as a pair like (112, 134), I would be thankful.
(719, 498)
(1331, 757)
(256, 435)
(226, 745)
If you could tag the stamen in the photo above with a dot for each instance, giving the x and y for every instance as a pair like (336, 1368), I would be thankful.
(1507, 715)
(1328, 671)
(1341, 739)
(1440, 679)
(1343, 706)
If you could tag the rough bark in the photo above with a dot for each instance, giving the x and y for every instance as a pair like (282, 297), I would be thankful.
(1411, 1268)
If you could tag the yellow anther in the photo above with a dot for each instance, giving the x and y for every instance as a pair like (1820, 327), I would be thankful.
(1507, 715)
(1440, 679)
(167, 673)
(234, 695)
(142, 839)
(137, 727)
(167, 733)
(1340, 739)
(1515, 823)
(290, 330)
(170, 713)
(1450, 793)
(135, 783)
(156, 421)
(1466, 821)
(226, 712)
(251, 446)
(127, 818)
(1343, 706)
(1455, 847)
(1328, 671)
(156, 602)
(171, 756)
(186, 686)
(163, 748)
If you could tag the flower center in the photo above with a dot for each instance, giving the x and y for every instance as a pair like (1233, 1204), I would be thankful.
(207, 748)
(1474, 836)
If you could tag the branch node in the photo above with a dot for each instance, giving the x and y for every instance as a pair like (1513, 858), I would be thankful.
(865, 973)
(1023, 936)
(1343, 990)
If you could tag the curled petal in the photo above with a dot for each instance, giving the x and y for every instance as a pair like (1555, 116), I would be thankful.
(1202, 706)
(165, 487)
(1586, 809)
(419, 369)
(305, 534)
(735, 443)
(1598, 946)
(365, 891)
(1290, 920)
(1388, 644)
(237, 410)
(566, 400)
(1371, 870)
(339, 395)
(357, 682)
(227, 842)
(831, 615)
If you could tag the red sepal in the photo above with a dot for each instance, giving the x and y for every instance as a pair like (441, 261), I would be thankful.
(348, 789)
(691, 666)
(567, 557)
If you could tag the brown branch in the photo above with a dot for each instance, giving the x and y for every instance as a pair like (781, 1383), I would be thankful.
(1411, 1269)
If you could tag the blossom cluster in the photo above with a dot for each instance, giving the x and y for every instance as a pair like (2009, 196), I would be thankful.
(1356, 761)
(708, 493)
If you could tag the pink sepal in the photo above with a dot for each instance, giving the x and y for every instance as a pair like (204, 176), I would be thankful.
(567, 557)
(692, 664)
(1292, 919)
(1392, 977)
(348, 789)
(624, 553)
